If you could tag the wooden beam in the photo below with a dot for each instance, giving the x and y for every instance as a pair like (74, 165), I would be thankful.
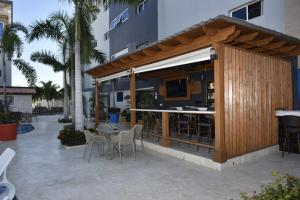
(263, 41)
(233, 36)
(197, 43)
(247, 38)
(136, 57)
(148, 52)
(184, 40)
(165, 47)
(209, 30)
(287, 48)
(275, 45)
(97, 107)
(165, 130)
(132, 100)
(125, 60)
(219, 154)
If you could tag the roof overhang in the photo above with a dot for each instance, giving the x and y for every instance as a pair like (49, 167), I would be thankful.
(18, 91)
(222, 29)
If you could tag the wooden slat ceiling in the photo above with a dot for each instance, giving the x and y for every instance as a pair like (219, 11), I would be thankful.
(221, 29)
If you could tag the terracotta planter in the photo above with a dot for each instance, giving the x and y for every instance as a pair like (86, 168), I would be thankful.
(8, 132)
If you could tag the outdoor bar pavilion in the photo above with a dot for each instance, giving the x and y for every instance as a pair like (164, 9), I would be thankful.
(251, 76)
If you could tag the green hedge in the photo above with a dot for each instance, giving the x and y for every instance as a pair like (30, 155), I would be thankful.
(69, 137)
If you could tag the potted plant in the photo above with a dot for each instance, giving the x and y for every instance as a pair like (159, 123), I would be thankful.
(9, 126)
(114, 114)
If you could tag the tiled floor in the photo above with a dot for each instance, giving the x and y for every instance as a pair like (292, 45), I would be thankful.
(43, 170)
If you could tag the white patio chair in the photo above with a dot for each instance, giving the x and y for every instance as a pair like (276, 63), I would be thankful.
(9, 189)
(91, 140)
(138, 134)
(122, 140)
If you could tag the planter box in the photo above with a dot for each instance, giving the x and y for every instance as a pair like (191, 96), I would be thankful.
(8, 132)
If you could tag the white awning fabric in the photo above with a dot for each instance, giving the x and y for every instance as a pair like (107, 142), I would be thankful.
(114, 76)
(192, 57)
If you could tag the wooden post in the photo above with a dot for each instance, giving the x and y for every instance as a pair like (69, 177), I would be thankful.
(97, 108)
(165, 130)
(219, 154)
(133, 100)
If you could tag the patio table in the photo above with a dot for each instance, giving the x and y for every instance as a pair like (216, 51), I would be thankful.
(109, 133)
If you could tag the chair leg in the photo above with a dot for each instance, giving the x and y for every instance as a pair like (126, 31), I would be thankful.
(120, 153)
(283, 150)
(133, 148)
(90, 156)
(298, 136)
(85, 150)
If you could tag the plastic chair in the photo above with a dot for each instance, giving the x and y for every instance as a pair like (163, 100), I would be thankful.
(138, 134)
(91, 140)
(9, 189)
(122, 140)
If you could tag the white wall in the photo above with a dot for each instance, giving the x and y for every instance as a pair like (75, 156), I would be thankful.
(124, 104)
(176, 15)
(22, 103)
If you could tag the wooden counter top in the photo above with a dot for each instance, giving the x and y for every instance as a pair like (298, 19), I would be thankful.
(280, 113)
(175, 111)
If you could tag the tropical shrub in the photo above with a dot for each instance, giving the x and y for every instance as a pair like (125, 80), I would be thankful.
(284, 187)
(69, 137)
(62, 120)
(10, 118)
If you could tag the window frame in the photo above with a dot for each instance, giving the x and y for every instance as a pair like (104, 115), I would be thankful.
(119, 19)
(141, 4)
(3, 25)
(246, 5)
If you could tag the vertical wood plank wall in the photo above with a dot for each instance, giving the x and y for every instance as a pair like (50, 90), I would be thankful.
(254, 87)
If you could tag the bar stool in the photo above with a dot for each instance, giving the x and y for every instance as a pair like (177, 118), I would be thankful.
(291, 127)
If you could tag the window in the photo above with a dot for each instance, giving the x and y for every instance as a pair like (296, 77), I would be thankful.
(106, 35)
(119, 96)
(141, 45)
(10, 100)
(120, 53)
(121, 18)
(141, 7)
(248, 11)
(1, 29)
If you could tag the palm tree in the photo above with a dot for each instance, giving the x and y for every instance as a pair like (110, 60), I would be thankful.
(49, 91)
(83, 20)
(61, 28)
(11, 43)
(50, 59)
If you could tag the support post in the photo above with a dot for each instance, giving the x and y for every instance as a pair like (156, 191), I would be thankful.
(165, 130)
(97, 108)
(133, 100)
(219, 154)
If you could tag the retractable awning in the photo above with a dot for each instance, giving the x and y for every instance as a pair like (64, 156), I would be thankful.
(193, 57)
(114, 76)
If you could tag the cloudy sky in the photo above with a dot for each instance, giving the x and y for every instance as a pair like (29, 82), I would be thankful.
(26, 11)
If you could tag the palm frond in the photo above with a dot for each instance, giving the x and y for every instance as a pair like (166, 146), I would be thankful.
(48, 58)
(98, 56)
(27, 70)
(45, 29)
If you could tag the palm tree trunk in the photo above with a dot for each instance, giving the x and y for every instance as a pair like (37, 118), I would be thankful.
(78, 89)
(72, 82)
(4, 85)
(66, 107)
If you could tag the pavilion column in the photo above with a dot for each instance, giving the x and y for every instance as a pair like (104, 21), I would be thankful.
(219, 154)
(165, 130)
(97, 108)
(132, 99)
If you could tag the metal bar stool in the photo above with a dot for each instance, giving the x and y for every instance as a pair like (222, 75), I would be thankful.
(291, 127)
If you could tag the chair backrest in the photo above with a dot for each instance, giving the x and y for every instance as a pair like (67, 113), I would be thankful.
(5, 159)
(138, 130)
(291, 121)
(88, 136)
(126, 137)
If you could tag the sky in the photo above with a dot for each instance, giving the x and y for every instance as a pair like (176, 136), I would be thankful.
(26, 11)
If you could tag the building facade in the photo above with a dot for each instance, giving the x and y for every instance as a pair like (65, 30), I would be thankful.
(132, 27)
(6, 8)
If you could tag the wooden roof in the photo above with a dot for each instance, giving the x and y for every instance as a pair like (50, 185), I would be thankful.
(18, 90)
(222, 29)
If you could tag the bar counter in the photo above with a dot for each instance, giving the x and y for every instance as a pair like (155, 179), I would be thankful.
(199, 112)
